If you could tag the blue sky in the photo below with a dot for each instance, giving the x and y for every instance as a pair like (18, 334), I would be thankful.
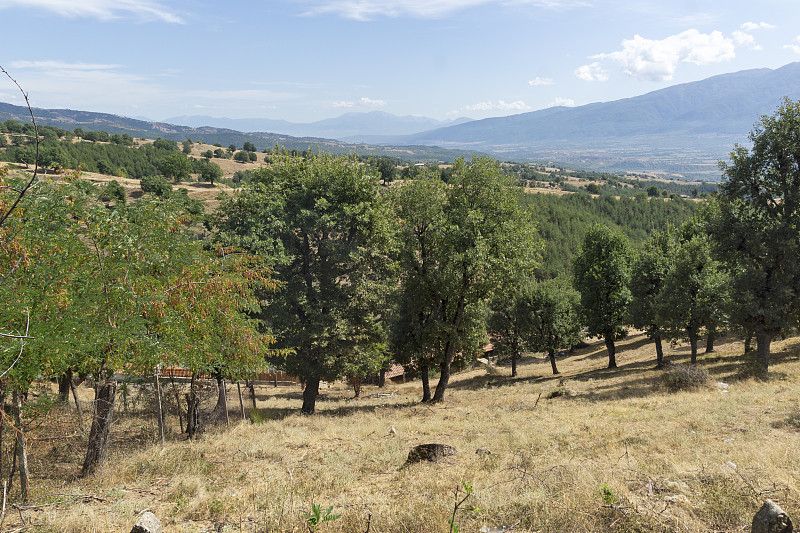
(306, 60)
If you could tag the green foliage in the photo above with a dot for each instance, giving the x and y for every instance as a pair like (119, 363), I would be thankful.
(114, 191)
(157, 185)
(602, 272)
(458, 505)
(564, 220)
(165, 144)
(550, 317)
(209, 171)
(326, 232)
(607, 495)
(249, 147)
(175, 166)
(649, 273)
(693, 293)
(319, 516)
(753, 225)
(461, 244)
(187, 146)
(241, 156)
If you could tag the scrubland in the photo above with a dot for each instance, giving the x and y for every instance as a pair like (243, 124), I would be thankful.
(589, 450)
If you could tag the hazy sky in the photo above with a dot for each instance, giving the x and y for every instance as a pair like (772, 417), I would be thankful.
(305, 60)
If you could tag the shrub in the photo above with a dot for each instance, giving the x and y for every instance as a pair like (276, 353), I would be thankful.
(156, 184)
(678, 377)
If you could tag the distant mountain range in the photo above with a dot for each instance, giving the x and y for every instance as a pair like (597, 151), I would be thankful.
(680, 130)
(349, 127)
(70, 119)
(684, 128)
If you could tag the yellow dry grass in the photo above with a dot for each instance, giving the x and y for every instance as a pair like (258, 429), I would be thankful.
(611, 450)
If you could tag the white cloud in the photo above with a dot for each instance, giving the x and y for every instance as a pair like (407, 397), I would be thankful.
(591, 72)
(540, 81)
(566, 102)
(794, 47)
(751, 26)
(100, 9)
(369, 102)
(500, 105)
(369, 9)
(362, 102)
(60, 65)
(656, 60)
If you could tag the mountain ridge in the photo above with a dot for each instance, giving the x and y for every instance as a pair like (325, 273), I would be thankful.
(349, 127)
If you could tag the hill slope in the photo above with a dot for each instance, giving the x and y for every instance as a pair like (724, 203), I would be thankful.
(694, 123)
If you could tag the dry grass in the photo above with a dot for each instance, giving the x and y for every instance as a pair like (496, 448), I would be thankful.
(618, 453)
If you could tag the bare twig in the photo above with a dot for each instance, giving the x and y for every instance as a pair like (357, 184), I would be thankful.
(21, 342)
(35, 176)
(11, 271)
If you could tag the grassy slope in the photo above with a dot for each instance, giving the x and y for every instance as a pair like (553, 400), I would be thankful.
(665, 458)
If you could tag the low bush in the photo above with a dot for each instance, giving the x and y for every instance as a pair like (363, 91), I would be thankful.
(677, 377)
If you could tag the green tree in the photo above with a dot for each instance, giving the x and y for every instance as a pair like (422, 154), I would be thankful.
(462, 244)
(187, 146)
(241, 156)
(550, 317)
(387, 168)
(325, 229)
(249, 147)
(602, 272)
(753, 226)
(176, 166)
(165, 144)
(209, 171)
(650, 270)
(693, 293)
(115, 191)
(156, 184)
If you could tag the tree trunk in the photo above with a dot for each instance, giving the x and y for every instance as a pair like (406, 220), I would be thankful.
(159, 410)
(552, 355)
(63, 386)
(357, 387)
(763, 341)
(97, 449)
(21, 447)
(659, 351)
(221, 409)
(693, 346)
(748, 341)
(310, 394)
(192, 410)
(712, 335)
(444, 376)
(382, 378)
(514, 357)
(252, 393)
(241, 402)
(77, 403)
(612, 351)
(2, 423)
(177, 400)
(426, 384)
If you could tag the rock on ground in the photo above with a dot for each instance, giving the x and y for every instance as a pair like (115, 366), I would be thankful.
(771, 519)
(147, 523)
(429, 452)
